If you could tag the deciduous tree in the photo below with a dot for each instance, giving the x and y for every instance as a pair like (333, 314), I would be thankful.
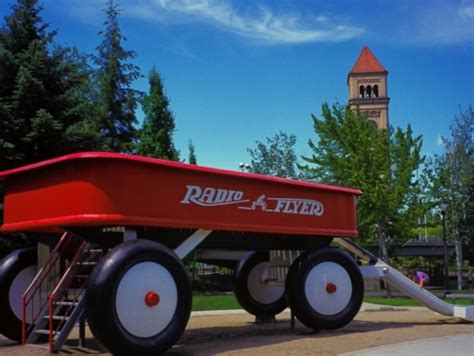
(276, 157)
(351, 152)
(453, 184)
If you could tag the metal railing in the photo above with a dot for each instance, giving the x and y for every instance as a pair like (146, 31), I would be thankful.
(62, 290)
(35, 296)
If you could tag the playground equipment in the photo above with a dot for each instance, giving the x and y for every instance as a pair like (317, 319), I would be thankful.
(119, 226)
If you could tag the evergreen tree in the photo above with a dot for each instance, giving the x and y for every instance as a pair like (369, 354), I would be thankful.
(156, 137)
(351, 152)
(192, 159)
(118, 101)
(43, 92)
(45, 97)
(276, 157)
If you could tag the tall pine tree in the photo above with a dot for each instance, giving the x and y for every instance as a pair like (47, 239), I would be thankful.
(156, 138)
(43, 92)
(192, 159)
(118, 100)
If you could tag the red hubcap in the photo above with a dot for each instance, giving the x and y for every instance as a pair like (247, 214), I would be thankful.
(331, 288)
(152, 299)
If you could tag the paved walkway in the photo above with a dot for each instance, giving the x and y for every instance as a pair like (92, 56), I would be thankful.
(377, 330)
(452, 345)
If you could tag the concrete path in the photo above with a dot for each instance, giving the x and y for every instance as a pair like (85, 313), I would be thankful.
(452, 345)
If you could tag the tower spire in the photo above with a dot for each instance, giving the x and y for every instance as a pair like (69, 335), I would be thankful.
(367, 63)
(367, 82)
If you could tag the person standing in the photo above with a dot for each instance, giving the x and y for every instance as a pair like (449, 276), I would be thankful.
(419, 277)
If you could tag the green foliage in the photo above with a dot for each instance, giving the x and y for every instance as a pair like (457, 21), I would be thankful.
(276, 157)
(117, 100)
(192, 159)
(351, 152)
(45, 91)
(156, 137)
(453, 180)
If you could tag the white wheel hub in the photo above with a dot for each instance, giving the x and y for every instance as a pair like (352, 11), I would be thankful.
(328, 288)
(146, 299)
(15, 295)
(259, 290)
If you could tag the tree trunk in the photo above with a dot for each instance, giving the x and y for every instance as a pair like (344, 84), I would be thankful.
(383, 255)
(459, 263)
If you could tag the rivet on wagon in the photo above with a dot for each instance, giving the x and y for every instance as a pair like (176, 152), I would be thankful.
(331, 288)
(152, 299)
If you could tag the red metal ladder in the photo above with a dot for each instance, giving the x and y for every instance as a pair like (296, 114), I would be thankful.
(54, 308)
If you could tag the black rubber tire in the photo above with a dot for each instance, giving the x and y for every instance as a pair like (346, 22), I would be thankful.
(241, 288)
(292, 275)
(10, 266)
(101, 296)
(296, 293)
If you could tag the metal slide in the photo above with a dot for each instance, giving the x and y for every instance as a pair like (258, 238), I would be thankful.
(377, 269)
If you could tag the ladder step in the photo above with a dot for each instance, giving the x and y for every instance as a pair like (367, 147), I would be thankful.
(87, 263)
(57, 317)
(73, 290)
(81, 276)
(45, 332)
(66, 303)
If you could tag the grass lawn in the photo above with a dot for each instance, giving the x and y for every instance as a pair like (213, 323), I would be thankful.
(215, 302)
(228, 301)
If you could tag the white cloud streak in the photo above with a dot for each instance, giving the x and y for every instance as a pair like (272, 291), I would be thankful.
(266, 26)
(445, 22)
(434, 22)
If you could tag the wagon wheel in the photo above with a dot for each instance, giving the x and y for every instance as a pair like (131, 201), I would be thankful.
(17, 271)
(254, 294)
(326, 290)
(138, 298)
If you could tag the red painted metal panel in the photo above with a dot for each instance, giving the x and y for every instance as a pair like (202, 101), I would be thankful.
(98, 189)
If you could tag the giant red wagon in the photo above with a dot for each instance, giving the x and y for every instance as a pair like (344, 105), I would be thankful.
(115, 229)
(146, 215)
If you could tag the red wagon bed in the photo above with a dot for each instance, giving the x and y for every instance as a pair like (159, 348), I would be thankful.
(129, 221)
(108, 189)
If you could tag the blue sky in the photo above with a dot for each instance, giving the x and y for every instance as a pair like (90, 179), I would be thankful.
(239, 71)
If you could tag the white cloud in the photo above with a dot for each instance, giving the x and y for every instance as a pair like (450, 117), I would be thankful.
(466, 11)
(439, 140)
(265, 26)
(445, 22)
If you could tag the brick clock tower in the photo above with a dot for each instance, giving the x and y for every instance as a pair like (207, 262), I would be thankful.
(367, 83)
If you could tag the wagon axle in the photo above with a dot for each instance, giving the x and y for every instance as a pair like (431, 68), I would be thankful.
(152, 299)
(331, 288)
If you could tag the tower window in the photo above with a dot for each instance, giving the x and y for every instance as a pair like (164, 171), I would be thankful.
(373, 123)
(376, 91)
(361, 91)
(368, 91)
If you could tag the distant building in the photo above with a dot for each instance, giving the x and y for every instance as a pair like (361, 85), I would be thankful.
(367, 82)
